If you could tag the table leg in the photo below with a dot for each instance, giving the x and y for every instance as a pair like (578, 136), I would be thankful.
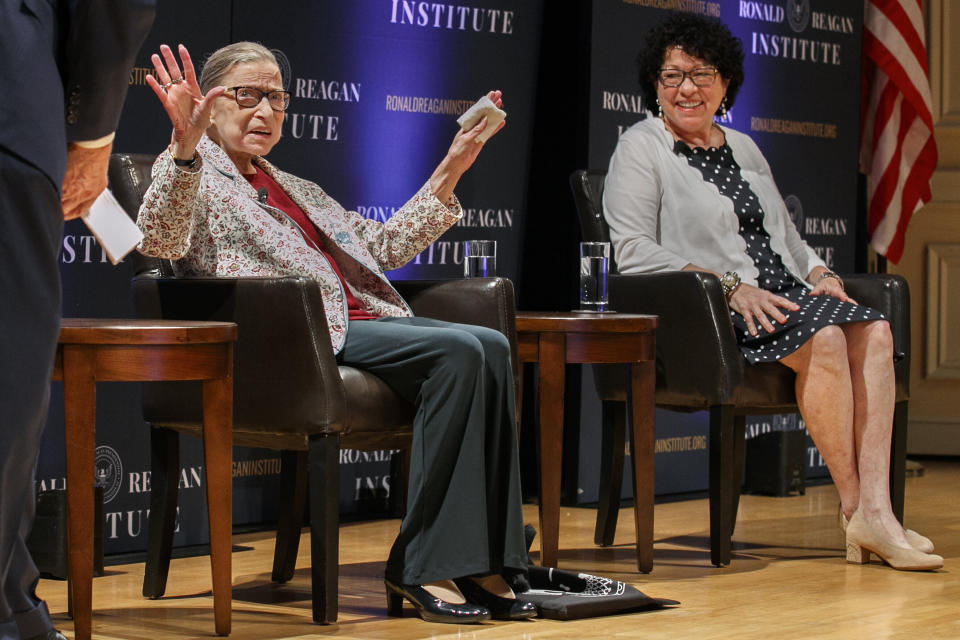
(218, 455)
(551, 374)
(640, 407)
(80, 414)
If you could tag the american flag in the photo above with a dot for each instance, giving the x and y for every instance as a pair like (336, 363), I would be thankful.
(897, 149)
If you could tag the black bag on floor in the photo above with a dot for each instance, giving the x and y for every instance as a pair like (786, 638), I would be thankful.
(565, 595)
(568, 595)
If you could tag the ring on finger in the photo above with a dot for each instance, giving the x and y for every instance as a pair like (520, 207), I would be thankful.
(177, 81)
(166, 86)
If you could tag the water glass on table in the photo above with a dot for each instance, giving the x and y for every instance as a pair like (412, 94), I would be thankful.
(479, 258)
(594, 265)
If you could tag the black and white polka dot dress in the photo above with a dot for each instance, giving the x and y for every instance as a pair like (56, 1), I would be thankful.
(718, 167)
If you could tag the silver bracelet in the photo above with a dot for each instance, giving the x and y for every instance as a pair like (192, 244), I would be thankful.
(831, 274)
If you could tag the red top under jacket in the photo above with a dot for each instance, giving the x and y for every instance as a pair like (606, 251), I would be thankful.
(277, 197)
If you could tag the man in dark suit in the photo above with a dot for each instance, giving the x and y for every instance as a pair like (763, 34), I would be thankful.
(64, 70)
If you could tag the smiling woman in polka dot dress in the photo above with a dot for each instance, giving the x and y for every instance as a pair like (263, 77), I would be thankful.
(684, 193)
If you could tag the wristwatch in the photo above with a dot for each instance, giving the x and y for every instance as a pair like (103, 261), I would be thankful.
(729, 282)
(831, 274)
(190, 164)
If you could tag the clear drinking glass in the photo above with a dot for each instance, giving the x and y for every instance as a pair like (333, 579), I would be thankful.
(594, 266)
(479, 258)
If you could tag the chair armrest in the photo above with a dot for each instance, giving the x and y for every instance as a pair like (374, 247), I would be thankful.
(890, 295)
(487, 302)
(285, 372)
(698, 361)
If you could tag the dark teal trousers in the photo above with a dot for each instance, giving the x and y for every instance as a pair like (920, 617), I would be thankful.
(464, 513)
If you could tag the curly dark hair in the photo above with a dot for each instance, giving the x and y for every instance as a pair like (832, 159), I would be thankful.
(698, 36)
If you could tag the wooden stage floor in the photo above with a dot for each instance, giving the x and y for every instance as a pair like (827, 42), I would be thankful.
(788, 579)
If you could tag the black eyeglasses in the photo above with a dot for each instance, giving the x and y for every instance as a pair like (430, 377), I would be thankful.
(701, 76)
(249, 97)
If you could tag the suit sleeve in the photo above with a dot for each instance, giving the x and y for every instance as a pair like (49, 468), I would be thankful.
(102, 42)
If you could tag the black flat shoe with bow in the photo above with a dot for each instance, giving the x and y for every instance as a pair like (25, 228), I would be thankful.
(430, 607)
(500, 608)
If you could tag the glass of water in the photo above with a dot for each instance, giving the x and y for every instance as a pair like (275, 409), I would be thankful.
(594, 265)
(479, 258)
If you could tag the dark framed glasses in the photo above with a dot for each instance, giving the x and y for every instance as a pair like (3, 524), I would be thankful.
(250, 97)
(701, 76)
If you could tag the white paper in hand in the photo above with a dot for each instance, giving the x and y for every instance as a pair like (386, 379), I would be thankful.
(112, 227)
(483, 107)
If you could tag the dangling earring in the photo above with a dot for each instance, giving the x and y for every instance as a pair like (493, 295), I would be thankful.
(723, 107)
(659, 109)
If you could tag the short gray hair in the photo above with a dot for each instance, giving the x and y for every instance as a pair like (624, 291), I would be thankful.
(225, 58)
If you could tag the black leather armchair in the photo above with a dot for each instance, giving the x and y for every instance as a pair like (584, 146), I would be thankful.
(699, 367)
(290, 394)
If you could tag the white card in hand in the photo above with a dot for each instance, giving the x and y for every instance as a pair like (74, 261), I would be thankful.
(112, 227)
(483, 107)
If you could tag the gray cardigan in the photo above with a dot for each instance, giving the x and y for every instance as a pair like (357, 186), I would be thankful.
(663, 215)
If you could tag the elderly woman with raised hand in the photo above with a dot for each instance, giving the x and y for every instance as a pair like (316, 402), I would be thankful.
(216, 207)
(684, 193)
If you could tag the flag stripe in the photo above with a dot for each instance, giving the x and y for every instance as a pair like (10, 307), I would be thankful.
(901, 74)
(915, 195)
(886, 123)
(891, 187)
(886, 166)
(897, 147)
(892, 24)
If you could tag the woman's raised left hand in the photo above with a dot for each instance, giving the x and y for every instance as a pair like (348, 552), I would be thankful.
(180, 95)
(462, 153)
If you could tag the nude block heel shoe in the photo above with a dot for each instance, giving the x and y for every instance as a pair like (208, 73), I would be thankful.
(914, 539)
(918, 542)
(862, 540)
(857, 554)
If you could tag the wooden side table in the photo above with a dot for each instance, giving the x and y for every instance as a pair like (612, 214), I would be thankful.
(91, 351)
(553, 339)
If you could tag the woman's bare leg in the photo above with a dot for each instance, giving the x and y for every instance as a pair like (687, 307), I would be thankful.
(870, 353)
(826, 399)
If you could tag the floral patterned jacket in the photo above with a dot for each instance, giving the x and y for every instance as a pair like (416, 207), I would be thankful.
(209, 222)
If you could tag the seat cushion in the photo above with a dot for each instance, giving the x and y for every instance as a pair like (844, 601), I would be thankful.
(767, 388)
(386, 419)
(384, 423)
